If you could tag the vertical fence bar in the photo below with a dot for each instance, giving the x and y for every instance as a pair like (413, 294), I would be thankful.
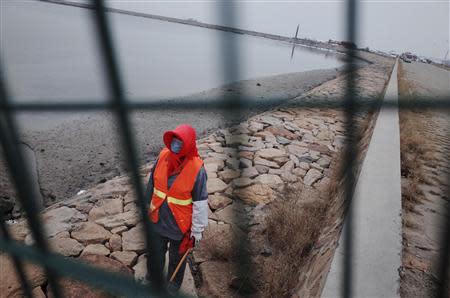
(128, 143)
(444, 268)
(16, 261)
(234, 105)
(21, 179)
(350, 150)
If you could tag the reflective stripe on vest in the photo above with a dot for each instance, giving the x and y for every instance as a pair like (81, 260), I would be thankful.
(172, 200)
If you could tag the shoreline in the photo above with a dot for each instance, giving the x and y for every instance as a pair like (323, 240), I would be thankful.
(80, 153)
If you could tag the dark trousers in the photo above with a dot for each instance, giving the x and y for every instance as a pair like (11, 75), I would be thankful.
(174, 258)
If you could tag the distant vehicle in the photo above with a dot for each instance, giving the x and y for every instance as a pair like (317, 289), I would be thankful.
(406, 59)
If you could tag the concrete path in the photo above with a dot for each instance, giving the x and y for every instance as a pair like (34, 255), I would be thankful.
(377, 241)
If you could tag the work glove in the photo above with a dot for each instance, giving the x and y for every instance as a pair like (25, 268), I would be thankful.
(186, 243)
(197, 237)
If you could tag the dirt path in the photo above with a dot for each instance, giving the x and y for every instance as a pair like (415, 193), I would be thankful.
(425, 147)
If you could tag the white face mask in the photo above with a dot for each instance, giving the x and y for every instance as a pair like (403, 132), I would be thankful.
(176, 145)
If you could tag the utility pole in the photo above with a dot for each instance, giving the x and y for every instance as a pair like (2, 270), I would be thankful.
(295, 40)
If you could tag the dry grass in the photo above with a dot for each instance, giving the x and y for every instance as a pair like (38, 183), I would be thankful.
(293, 225)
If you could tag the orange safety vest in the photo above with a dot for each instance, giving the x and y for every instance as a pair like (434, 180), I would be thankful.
(179, 197)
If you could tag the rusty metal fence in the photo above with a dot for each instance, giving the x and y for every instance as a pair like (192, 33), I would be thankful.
(57, 266)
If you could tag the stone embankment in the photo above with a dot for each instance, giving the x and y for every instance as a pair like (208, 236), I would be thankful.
(250, 166)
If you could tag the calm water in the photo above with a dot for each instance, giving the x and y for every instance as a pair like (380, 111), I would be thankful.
(50, 51)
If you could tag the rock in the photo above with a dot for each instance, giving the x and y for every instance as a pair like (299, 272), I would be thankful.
(74, 289)
(231, 140)
(270, 120)
(38, 293)
(242, 182)
(316, 166)
(246, 154)
(264, 162)
(119, 230)
(218, 201)
(212, 164)
(312, 176)
(281, 131)
(61, 219)
(299, 172)
(255, 194)
(267, 135)
(288, 167)
(129, 197)
(214, 274)
(10, 285)
(215, 185)
(245, 163)
(271, 153)
(19, 230)
(66, 246)
(323, 185)
(129, 218)
(270, 180)
(131, 207)
(282, 140)
(250, 172)
(262, 169)
(95, 249)
(115, 242)
(304, 165)
(134, 239)
(288, 177)
(325, 135)
(228, 175)
(91, 233)
(107, 207)
(140, 269)
(324, 162)
(216, 147)
(232, 163)
(296, 150)
(294, 160)
(128, 258)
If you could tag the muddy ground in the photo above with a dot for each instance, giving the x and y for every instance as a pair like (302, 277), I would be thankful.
(425, 148)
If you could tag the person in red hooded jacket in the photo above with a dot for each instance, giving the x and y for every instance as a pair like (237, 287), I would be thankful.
(178, 199)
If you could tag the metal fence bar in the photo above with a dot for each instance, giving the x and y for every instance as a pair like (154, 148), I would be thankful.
(363, 104)
(128, 142)
(16, 261)
(21, 179)
(351, 151)
(80, 271)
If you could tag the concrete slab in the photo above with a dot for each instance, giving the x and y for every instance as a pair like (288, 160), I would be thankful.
(376, 235)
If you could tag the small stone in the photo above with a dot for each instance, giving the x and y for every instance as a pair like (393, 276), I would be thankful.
(218, 201)
(250, 172)
(214, 185)
(91, 233)
(66, 246)
(115, 242)
(242, 182)
(296, 150)
(270, 180)
(304, 165)
(262, 169)
(324, 162)
(128, 258)
(270, 120)
(133, 239)
(129, 218)
(95, 249)
(294, 159)
(288, 166)
(131, 207)
(271, 153)
(107, 207)
(119, 230)
(38, 293)
(299, 172)
(228, 175)
(281, 131)
(232, 163)
(61, 219)
(140, 269)
(245, 163)
(212, 164)
(288, 177)
(264, 162)
(255, 194)
(282, 140)
(231, 140)
(312, 176)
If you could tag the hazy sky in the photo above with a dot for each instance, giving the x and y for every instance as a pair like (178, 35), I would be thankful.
(419, 26)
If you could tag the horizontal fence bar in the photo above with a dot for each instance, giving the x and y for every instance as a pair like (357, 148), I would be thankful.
(70, 106)
(118, 284)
